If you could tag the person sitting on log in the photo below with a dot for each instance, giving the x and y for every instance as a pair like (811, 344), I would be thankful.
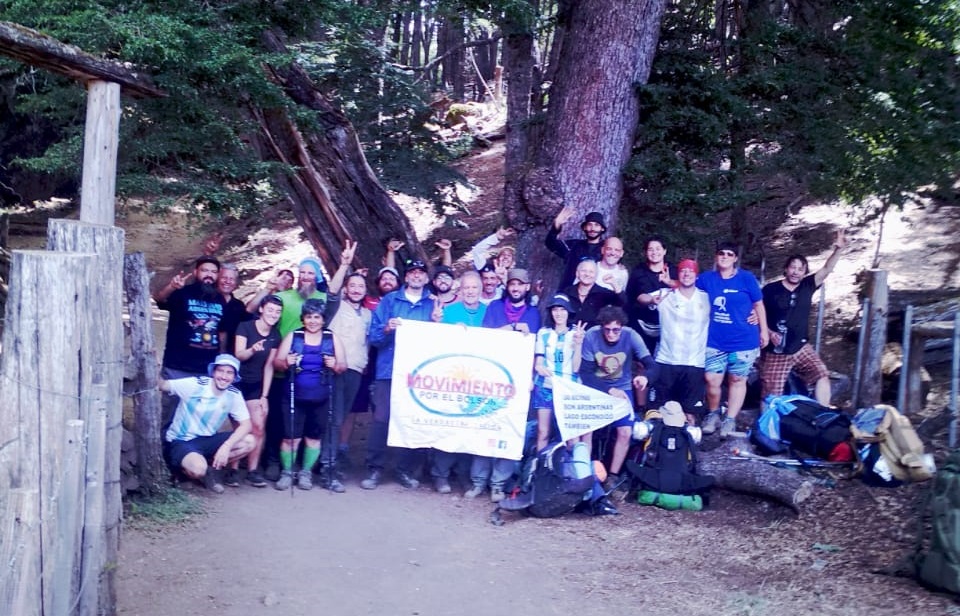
(192, 443)
(787, 303)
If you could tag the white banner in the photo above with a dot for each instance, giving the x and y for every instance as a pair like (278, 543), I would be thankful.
(460, 389)
(580, 409)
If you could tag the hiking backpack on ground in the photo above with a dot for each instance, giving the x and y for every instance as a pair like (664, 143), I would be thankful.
(801, 424)
(551, 484)
(940, 565)
(891, 451)
(668, 464)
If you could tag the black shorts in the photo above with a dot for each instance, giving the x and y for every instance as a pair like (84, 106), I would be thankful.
(308, 421)
(250, 390)
(683, 384)
(206, 446)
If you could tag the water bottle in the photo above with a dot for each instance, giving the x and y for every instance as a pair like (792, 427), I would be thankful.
(782, 328)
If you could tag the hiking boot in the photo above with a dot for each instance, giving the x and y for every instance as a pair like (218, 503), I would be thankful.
(273, 472)
(305, 480)
(284, 481)
(611, 483)
(212, 481)
(255, 479)
(330, 481)
(711, 422)
(442, 485)
(372, 480)
(473, 492)
(496, 494)
(603, 507)
(728, 427)
(232, 478)
(406, 480)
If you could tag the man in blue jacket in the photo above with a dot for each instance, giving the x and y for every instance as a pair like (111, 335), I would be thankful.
(412, 301)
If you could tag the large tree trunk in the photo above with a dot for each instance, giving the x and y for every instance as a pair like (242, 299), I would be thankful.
(333, 192)
(608, 48)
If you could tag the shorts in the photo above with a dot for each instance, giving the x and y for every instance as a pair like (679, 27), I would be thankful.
(737, 363)
(542, 398)
(775, 368)
(684, 384)
(206, 446)
(627, 420)
(250, 391)
(308, 421)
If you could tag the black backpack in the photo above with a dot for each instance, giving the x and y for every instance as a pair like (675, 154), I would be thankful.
(808, 427)
(669, 463)
(549, 486)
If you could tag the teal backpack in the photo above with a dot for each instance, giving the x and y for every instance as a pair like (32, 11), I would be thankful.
(939, 565)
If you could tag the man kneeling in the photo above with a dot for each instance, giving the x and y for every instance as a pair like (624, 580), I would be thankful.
(192, 443)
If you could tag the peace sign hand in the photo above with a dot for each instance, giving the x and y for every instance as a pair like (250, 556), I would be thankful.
(437, 314)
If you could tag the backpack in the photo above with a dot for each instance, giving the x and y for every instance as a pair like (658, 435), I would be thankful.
(892, 452)
(940, 565)
(668, 464)
(798, 423)
(551, 484)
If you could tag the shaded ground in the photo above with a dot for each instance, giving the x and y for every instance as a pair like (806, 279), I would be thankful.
(393, 551)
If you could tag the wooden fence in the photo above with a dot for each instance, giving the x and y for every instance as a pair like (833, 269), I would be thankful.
(61, 377)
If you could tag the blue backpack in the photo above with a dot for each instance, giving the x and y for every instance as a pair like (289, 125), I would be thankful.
(801, 424)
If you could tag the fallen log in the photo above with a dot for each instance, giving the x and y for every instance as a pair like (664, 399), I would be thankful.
(754, 478)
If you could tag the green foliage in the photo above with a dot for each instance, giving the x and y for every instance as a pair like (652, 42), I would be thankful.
(169, 506)
(191, 147)
(862, 103)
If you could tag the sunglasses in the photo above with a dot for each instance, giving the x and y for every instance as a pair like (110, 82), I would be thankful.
(726, 253)
(613, 330)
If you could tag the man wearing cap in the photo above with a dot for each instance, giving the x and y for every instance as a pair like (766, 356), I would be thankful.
(192, 443)
(788, 303)
(684, 318)
(573, 250)
(442, 285)
(733, 343)
(513, 311)
(411, 301)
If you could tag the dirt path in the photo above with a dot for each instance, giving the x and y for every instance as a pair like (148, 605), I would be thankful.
(393, 551)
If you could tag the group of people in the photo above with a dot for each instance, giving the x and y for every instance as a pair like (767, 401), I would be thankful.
(294, 365)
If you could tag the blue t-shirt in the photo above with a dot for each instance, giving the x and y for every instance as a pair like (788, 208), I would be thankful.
(458, 313)
(731, 301)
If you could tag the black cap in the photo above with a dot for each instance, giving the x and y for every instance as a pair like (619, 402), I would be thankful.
(596, 217)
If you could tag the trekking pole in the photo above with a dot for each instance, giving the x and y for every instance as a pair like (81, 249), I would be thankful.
(739, 454)
(329, 373)
(293, 378)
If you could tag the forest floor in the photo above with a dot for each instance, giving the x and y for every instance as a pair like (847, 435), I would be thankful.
(396, 551)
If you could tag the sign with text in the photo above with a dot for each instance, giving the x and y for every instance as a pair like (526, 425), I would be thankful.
(460, 389)
(580, 409)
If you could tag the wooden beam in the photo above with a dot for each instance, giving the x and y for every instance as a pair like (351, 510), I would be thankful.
(38, 49)
(101, 138)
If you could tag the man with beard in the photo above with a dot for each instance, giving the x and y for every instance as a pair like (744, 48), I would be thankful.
(573, 251)
(192, 441)
(411, 301)
(442, 284)
(490, 285)
(787, 303)
(193, 328)
(515, 313)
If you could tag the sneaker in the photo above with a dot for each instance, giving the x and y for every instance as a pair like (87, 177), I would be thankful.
(711, 422)
(212, 481)
(496, 494)
(305, 480)
(232, 478)
(273, 472)
(473, 492)
(611, 483)
(284, 481)
(330, 481)
(255, 479)
(406, 480)
(442, 485)
(728, 427)
(372, 480)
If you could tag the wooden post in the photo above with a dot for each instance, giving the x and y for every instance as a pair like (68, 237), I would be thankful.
(20, 553)
(61, 575)
(104, 361)
(92, 559)
(955, 381)
(101, 135)
(907, 356)
(870, 385)
(146, 400)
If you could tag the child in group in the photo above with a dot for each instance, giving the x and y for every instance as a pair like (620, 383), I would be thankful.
(310, 356)
(256, 345)
(556, 354)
